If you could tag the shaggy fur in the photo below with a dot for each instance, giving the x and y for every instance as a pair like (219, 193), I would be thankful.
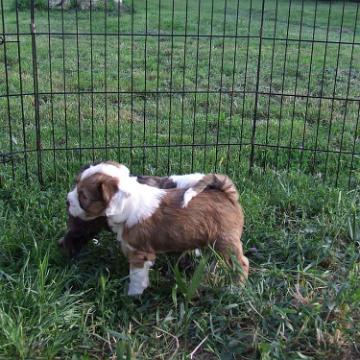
(213, 217)
(150, 220)
(81, 231)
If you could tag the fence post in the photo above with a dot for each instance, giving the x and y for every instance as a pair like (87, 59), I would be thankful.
(252, 153)
(36, 92)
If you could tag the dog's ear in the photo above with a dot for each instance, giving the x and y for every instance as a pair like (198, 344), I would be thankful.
(108, 189)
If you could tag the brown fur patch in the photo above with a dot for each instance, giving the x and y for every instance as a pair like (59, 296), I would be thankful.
(95, 193)
(211, 218)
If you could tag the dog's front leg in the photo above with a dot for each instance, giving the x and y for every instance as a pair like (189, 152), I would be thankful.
(139, 278)
(140, 264)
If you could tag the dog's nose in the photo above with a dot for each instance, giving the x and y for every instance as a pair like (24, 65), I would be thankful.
(67, 203)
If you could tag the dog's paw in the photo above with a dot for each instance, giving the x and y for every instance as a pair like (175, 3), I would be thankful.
(135, 289)
(197, 252)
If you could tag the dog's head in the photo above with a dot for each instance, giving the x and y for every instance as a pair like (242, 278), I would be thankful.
(95, 188)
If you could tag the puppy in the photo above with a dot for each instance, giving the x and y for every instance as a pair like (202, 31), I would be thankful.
(149, 220)
(80, 231)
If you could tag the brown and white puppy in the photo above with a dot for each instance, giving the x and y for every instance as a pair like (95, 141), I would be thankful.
(149, 220)
(80, 231)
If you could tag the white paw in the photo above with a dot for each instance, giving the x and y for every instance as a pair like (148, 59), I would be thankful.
(138, 285)
(198, 252)
(135, 290)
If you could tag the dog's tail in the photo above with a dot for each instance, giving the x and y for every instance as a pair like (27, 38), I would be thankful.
(212, 181)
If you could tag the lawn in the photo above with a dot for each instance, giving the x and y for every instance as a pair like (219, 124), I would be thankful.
(126, 90)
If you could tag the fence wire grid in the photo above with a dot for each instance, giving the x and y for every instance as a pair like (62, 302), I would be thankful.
(180, 86)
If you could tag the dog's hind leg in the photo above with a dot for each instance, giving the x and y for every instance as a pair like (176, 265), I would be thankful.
(232, 248)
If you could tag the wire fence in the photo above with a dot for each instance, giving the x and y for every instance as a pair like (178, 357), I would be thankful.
(180, 86)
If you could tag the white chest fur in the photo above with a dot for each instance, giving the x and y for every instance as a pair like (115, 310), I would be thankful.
(117, 228)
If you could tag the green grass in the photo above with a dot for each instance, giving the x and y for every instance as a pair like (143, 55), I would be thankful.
(302, 234)
(301, 301)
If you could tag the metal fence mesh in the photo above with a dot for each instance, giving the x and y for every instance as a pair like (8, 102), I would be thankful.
(181, 86)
